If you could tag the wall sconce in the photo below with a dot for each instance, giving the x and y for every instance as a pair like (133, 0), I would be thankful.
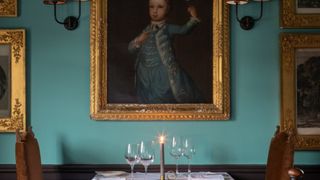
(246, 22)
(70, 22)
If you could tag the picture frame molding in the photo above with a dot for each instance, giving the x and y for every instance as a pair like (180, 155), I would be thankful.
(100, 109)
(9, 8)
(17, 120)
(290, 19)
(290, 42)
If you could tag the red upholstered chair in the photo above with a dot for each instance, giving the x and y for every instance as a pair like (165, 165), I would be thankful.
(28, 162)
(280, 158)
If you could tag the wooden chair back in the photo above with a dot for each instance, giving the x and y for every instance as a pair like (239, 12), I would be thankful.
(28, 161)
(281, 158)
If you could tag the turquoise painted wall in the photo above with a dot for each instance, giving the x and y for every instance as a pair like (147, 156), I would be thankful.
(58, 96)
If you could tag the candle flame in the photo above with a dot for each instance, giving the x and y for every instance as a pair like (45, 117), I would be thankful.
(162, 139)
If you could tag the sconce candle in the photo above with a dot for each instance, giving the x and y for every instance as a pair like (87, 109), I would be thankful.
(237, 2)
(162, 141)
(51, 2)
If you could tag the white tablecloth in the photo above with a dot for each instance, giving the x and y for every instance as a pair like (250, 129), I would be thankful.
(169, 176)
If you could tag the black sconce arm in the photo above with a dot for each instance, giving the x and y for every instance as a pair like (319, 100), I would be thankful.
(261, 11)
(55, 13)
(247, 22)
(70, 22)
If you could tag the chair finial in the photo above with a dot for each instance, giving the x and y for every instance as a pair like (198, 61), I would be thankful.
(18, 135)
(277, 130)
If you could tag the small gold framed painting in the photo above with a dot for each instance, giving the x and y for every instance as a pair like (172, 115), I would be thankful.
(12, 80)
(300, 87)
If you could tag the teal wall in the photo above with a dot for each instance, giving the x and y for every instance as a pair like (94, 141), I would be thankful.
(58, 96)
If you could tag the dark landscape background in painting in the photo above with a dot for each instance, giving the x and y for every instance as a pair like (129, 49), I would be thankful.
(3, 82)
(308, 3)
(308, 88)
(127, 19)
(5, 86)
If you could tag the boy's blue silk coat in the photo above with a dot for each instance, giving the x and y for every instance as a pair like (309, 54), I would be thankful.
(182, 88)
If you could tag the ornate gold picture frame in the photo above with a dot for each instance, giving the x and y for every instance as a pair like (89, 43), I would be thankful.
(8, 8)
(12, 81)
(112, 94)
(300, 98)
(300, 14)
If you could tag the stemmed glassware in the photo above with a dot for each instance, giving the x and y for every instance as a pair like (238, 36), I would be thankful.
(146, 154)
(176, 150)
(188, 151)
(131, 155)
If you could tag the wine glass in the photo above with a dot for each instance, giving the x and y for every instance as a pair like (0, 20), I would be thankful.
(188, 151)
(146, 154)
(176, 150)
(131, 155)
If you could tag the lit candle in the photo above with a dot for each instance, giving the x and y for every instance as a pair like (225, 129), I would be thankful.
(162, 141)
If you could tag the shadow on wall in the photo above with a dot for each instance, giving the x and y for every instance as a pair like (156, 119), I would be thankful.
(71, 154)
(221, 154)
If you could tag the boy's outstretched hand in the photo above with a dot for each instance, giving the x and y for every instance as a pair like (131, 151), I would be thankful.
(192, 11)
(142, 37)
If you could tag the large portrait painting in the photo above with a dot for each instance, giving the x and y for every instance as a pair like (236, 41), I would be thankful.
(8, 8)
(301, 88)
(300, 14)
(12, 80)
(159, 60)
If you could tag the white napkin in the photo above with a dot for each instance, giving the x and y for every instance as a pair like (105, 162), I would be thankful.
(99, 177)
(139, 176)
(110, 175)
(209, 177)
(197, 176)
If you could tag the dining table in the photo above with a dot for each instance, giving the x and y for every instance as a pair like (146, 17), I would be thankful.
(121, 175)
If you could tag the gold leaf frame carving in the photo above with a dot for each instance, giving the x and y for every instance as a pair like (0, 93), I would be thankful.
(8, 8)
(291, 19)
(218, 110)
(289, 43)
(15, 38)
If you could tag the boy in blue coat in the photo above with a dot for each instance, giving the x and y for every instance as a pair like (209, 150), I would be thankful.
(159, 78)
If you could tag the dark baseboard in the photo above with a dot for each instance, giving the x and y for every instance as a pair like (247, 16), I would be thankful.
(86, 172)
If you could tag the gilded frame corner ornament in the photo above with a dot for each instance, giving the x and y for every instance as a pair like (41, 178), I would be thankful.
(289, 18)
(9, 8)
(219, 109)
(290, 42)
